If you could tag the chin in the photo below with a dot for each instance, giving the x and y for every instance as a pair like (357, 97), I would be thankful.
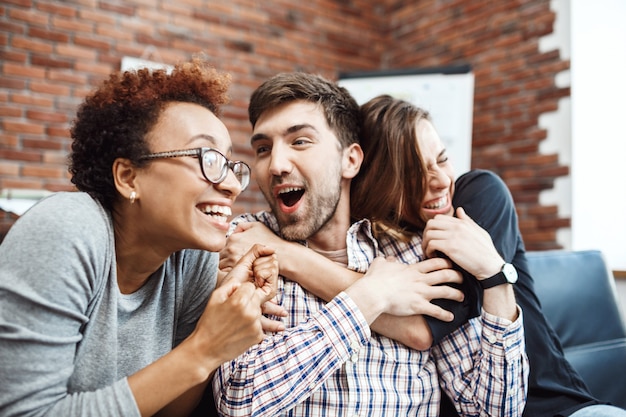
(215, 244)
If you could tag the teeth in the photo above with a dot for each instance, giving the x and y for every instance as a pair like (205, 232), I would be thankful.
(437, 204)
(288, 190)
(217, 210)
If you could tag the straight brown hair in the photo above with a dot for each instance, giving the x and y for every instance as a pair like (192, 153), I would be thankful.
(391, 182)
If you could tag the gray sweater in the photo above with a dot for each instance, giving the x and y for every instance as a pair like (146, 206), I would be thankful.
(68, 337)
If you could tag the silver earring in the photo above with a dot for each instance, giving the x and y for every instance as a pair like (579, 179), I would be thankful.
(132, 197)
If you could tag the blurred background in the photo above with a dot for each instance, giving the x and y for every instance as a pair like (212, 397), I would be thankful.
(546, 75)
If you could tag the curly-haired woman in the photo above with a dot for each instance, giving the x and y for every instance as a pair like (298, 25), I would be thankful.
(108, 299)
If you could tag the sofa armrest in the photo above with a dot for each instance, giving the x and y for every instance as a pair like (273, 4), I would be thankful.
(602, 366)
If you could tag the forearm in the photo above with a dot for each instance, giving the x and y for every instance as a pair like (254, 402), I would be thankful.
(412, 331)
(500, 301)
(326, 279)
(316, 273)
(498, 371)
(174, 383)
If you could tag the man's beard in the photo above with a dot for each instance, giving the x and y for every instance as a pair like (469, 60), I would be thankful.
(301, 226)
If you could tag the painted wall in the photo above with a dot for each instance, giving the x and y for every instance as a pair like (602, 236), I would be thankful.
(598, 128)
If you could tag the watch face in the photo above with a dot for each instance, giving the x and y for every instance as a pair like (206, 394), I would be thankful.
(510, 273)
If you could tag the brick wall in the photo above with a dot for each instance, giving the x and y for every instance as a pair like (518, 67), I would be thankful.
(514, 84)
(53, 52)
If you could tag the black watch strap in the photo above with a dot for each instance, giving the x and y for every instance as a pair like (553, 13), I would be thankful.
(507, 275)
(497, 279)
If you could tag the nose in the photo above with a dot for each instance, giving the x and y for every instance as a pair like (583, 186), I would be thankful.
(280, 163)
(230, 185)
(438, 179)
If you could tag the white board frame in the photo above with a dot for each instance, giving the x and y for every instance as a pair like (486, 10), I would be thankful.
(447, 94)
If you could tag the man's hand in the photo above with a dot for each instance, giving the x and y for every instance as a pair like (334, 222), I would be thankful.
(259, 266)
(242, 239)
(405, 290)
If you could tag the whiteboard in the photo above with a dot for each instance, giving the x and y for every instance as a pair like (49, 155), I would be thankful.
(448, 95)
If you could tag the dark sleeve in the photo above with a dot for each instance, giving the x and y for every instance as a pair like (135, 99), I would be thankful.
(463, 311)
(553, 383)
(487, 200)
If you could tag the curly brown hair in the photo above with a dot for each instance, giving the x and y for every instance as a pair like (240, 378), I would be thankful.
(113, 120)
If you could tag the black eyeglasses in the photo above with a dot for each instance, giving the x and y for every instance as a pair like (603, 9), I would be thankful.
(213, 164)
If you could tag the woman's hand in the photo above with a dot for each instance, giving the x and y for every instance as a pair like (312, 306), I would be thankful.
(464, 242)
(231, 322)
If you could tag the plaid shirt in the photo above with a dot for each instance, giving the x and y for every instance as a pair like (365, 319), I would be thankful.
(327, 363)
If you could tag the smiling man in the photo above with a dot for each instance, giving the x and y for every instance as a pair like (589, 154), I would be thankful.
(327, 362)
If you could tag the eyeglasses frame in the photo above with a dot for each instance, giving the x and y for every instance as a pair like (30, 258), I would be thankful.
(199, 153)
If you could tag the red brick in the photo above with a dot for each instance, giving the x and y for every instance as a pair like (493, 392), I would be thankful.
(514, 81)
(48, 88)
(21, 127)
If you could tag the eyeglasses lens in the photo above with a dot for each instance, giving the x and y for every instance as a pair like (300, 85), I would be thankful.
(214, 166)
(242, 172)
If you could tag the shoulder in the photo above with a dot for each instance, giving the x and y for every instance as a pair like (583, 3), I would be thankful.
(265, 217)
(480, 178)
(481, 188)
(65, 216)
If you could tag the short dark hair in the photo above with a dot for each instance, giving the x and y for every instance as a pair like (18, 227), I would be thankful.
(340, 108)
(113, 120)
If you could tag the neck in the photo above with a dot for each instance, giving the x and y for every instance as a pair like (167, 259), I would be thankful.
(332, 236)
(137, 256)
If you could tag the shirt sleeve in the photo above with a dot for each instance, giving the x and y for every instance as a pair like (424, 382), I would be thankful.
(484, 368)
(50, 269)
(285, 369)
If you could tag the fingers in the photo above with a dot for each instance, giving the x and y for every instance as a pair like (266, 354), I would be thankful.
(439, 313)
(435, 271)
(433, 264)
(265, 272)
(272, 326)
(222, 293)
(271, 308)
(243, 226)
(446, 292)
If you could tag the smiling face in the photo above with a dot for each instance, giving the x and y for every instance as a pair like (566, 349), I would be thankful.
(302, 170)
(179, 207)
(439, 172)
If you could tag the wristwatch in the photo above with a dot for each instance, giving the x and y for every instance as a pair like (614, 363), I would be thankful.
(508, 274)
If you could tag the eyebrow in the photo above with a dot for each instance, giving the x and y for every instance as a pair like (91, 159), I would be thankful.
(211, 139)
(288, 131)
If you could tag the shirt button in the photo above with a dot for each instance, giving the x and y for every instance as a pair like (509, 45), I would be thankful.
(491, 338)
(354, 358)
(508, 343)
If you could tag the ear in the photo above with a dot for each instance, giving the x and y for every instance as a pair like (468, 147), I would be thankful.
(124, 173)
(352, 159)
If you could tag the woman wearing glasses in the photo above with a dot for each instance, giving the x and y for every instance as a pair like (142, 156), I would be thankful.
(103, 292)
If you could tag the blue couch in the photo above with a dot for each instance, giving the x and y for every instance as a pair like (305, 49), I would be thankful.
(578, 296)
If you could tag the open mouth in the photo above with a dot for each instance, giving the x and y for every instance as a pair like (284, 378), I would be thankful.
(220, 213)
(290, 196)
(437, 204)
